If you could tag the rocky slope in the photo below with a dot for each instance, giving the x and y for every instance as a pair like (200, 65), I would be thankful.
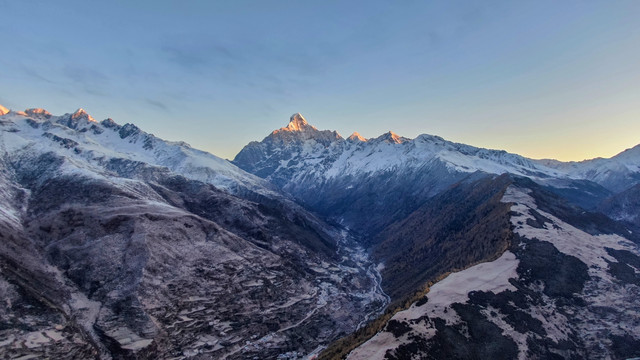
(117, 244)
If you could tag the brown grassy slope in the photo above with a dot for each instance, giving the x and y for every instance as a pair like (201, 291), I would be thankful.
(464, 225)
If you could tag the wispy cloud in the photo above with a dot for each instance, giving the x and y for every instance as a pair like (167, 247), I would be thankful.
(84, 75)
(95, 92)
(158, 104)
(269, 69)
(35, 74)
(198, 54)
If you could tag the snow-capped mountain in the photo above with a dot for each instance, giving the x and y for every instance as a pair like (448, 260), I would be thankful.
(617, 173)
(391, 175)
(326, 155)
(97, 145)
(117, 244)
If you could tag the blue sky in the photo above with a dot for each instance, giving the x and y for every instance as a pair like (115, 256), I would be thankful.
(540, 78)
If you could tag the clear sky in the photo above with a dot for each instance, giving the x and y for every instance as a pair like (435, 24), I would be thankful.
(557, 79)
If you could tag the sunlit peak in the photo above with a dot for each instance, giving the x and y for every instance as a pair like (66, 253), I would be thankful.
(297, 122)
(81, 113)
(38, 113)
(356, 137)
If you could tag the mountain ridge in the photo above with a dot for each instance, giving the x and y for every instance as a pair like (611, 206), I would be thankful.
(506, 161)
(546, 161)
(138, 247)
(118, 244)
(352, 174)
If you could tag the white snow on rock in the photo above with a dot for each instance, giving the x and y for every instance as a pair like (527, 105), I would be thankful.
(297, 122)
(616, 173)
(570, 240)
(326, 155)
(602, 291)
(356, 137)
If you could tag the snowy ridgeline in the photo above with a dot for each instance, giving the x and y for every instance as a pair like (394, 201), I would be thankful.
(528, 303)
(92, 148)
(391, 176)
(302, 151)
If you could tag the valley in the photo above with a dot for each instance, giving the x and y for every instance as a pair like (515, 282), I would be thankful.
(117, 244)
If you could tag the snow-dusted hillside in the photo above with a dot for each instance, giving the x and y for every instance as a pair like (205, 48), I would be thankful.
(117, 244)
(624, 206)
(558, 292)
(563, 288)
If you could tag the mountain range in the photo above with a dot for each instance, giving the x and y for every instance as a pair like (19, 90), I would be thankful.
(390, 176)
(118, 244)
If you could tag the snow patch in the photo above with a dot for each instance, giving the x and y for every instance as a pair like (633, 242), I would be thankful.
(601, 291)
(489, 276)
(568, 239)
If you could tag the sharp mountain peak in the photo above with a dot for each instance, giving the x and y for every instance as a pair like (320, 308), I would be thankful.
(356, 137)
(81, 113)
(390, 136)
(297, 122)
